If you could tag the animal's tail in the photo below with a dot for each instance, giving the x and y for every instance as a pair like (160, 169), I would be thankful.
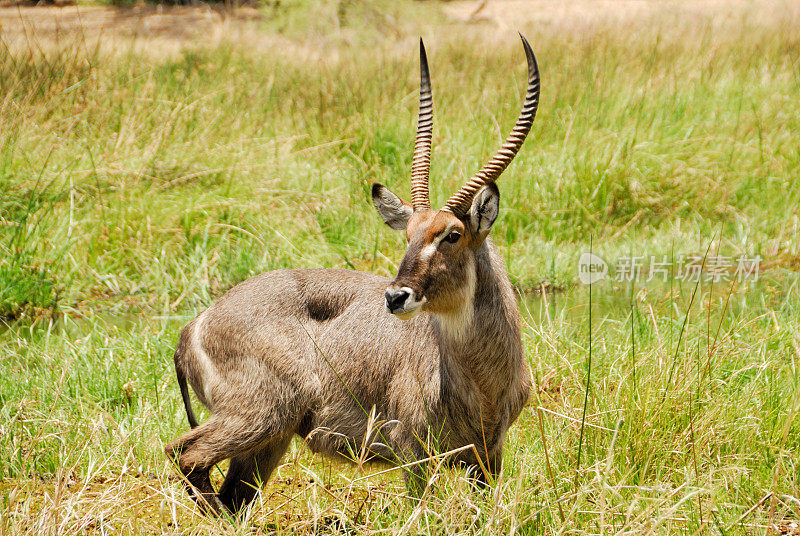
(187, 403)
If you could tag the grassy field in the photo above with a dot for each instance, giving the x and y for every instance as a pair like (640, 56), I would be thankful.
(151, 160)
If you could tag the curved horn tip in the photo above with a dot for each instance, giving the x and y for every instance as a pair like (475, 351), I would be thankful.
(524, 41)
(533, 66)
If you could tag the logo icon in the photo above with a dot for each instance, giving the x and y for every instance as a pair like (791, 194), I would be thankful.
(591, 268)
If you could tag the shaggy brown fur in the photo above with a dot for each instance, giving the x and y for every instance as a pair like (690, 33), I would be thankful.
(312, 352)
(355, 363)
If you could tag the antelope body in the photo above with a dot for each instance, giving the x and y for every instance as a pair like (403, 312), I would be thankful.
(360, 365)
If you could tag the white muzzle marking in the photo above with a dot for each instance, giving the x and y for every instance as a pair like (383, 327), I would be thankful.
(403, 303)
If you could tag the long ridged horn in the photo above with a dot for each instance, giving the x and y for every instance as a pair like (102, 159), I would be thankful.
(421, 165)
(459, 204)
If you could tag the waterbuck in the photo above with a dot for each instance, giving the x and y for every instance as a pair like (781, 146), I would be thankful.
(357, 363)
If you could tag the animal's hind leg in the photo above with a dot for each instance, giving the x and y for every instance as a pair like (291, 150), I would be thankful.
(247, 472)
(219, 438)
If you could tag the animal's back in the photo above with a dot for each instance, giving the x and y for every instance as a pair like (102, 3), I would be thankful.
(291, 332)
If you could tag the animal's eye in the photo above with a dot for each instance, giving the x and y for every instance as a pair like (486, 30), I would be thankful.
(453, 237)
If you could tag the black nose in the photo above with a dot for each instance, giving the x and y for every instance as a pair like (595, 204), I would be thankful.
(395, 299)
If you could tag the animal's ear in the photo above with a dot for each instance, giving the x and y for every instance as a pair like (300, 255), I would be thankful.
(484, 210)
(394, 211)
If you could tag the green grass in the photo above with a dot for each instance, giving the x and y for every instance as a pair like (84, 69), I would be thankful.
(135, 188)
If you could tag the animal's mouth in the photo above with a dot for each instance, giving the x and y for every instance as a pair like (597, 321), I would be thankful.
(403, 302)
(408, 314)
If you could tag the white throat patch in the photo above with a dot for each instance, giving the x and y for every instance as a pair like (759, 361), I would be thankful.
(456, 325)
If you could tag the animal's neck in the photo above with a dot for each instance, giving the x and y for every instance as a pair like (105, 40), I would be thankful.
(484, 335)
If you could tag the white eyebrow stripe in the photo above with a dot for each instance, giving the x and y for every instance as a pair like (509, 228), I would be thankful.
(427, 251)
(444, 233)
(430, 249)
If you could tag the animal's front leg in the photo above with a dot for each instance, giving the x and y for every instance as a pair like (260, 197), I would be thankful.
(495, 463)
(415, 471)
(492, 465)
